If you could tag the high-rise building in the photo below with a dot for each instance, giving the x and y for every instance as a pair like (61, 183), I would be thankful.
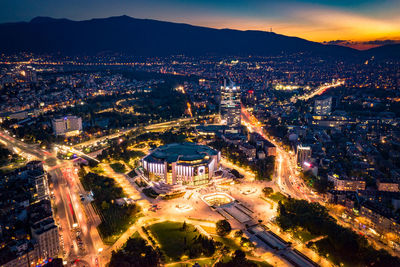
(303, 155)
(28, 75)
(38, 177)
(43, 229)
(69, 125)
(230, 106)
(46, 234)
(323, 106)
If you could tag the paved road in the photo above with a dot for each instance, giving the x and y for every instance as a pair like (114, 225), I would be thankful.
(66, 201)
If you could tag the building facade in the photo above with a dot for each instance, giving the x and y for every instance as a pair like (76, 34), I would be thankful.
(346, 184)
(230, 107)
(303, 154)
(46, 234)
(387, 186)
(69, 125)
(323, 106)
(181, 163)
(24, 253)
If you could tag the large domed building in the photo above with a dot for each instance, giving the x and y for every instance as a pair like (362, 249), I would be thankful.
(181, 163)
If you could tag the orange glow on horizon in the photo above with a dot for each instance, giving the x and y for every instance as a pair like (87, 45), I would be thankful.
(316, 25)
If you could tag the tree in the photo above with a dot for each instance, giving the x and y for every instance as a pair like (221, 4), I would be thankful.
(238, 260)
(225, 250)
(239, 233)
(342, 244)
(82, 172)
(104, 205)
(223, 227)
(267, 191)
(245, 242)
(239, 255)
(136, 253)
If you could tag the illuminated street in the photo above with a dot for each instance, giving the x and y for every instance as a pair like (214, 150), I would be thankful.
(207, 134)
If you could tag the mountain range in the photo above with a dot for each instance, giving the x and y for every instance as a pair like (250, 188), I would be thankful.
(146, 37)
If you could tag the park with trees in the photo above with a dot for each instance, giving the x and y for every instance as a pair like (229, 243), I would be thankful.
(178, 239)
(136, 253)
(340, 245)
(115, 218)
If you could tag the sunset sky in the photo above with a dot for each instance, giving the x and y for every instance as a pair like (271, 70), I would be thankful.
(359, 24)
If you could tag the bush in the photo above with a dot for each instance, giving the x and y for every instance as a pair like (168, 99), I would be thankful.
(267, 191)
(173, 196)
(136, 253)
(150, 192)
(118, 167)
(277, 197)
(223, 227)
(236, 173)
(238, 233)
(238, 260)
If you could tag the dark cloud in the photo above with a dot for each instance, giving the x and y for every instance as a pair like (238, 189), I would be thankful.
(372, 42)
(336, 42)
(382, 42)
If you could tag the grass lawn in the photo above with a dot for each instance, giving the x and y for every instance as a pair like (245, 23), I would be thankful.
(210, 230)
(200, 220)
(118, 167)
(97, 169)
(111, 239)
(171, 237)
(228, 242)
(259, 263)
(303, 235)
(277, 197)
(136, 235)
(190, 263)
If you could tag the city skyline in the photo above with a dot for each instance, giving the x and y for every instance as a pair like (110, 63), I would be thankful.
(359, 24)
(200, 133)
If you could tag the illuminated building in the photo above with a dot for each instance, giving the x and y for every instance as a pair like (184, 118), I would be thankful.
(46, 234)
(183, 163)
(387, 185)
(28, 75)
(230, 108)
(43, 229)
(323, 106)
(379, 219)
(303, 154)
(38, 177)
(69, 125)
(346, 183)
(22, 253)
